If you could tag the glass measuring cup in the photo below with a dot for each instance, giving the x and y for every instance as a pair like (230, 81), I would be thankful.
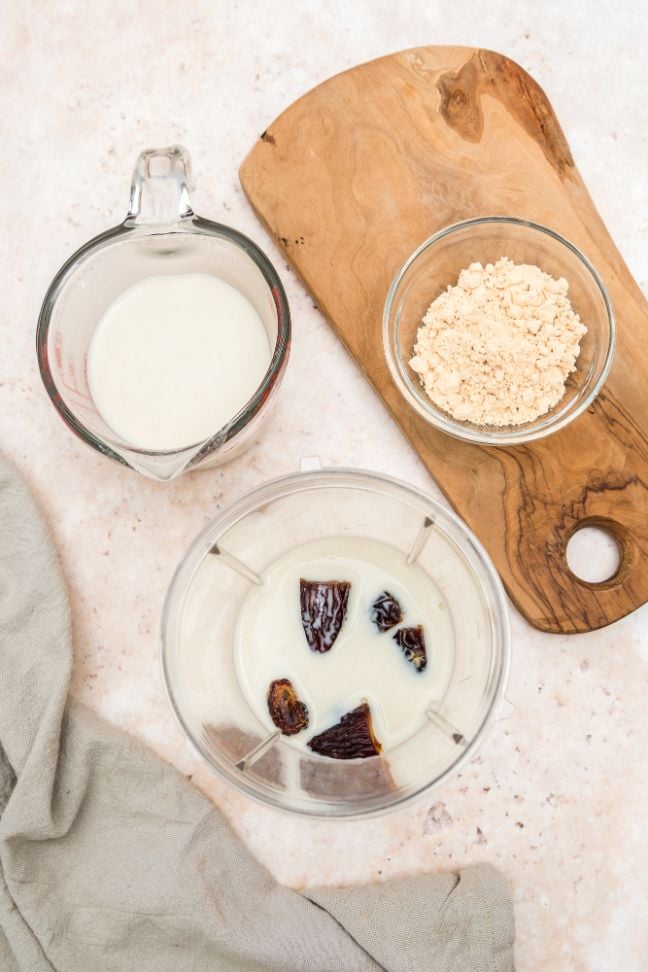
(160, 235)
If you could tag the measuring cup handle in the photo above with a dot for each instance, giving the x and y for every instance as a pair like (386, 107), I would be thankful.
(160, 186)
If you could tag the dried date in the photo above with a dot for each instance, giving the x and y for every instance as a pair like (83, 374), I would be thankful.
(323, 609)
(351, 738)
(386, 612)
(412, 643)
(286, 711)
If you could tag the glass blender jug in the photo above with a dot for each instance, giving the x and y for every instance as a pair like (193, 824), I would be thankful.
(160, 235)
(229, 560)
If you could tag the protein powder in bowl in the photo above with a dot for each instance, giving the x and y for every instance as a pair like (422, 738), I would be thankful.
(498, 331)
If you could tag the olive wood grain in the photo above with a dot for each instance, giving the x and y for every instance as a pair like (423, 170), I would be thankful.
(358, 172)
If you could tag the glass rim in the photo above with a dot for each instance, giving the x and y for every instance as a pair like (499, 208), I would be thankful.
(189, 225)
(541, 427)
(355, 479)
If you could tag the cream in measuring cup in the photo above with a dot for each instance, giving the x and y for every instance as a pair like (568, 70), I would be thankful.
(175, 357)
(162, 341)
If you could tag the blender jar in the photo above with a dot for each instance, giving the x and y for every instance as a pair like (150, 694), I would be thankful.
(160, 235)
(229, 558)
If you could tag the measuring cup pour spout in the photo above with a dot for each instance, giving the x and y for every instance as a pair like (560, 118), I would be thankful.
(160, 236)
(163, 466)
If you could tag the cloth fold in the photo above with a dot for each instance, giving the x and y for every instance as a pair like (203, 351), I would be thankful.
(110, 861)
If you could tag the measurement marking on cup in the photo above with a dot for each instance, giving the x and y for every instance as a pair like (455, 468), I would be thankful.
(420, 540)
(258, 751)
(236, 565)
(446, 727)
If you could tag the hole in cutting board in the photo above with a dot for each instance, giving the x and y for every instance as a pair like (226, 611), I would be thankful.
(593, 554)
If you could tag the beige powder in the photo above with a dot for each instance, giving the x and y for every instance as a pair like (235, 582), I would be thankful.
(497, 348)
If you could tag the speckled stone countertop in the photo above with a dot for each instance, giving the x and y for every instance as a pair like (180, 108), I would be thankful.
(557, 796)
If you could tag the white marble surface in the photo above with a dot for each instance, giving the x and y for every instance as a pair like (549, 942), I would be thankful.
(557, 797)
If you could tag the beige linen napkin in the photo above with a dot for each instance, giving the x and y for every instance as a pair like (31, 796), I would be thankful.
(111, 862)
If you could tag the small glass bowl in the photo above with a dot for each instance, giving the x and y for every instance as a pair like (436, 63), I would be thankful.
(220, 570)
(437, 263)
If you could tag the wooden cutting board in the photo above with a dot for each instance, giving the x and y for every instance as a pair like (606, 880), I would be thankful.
(355, 175)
